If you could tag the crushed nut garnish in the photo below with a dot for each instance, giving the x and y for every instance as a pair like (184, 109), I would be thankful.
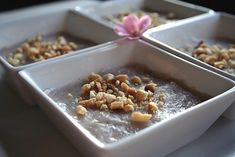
(215, 55)
(122, 77)
(151, 87)
(140, 117)
(141, 95)
(152, 107)
(136, 80)
(80, 110)
(111, 93)
(35, 49)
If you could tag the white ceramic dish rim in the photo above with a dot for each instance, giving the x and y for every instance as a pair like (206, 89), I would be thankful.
(147, 37)
(110, 146)
(87, 13)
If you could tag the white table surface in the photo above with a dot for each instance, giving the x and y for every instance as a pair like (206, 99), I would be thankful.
(25, 131)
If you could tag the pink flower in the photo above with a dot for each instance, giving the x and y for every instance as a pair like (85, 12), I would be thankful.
(132, 26)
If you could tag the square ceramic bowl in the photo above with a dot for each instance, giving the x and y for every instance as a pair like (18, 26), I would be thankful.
(181, 9)
(180, 39)
(49, 23)
(158, 139)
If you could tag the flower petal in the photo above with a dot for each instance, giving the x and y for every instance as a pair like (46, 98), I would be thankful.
(144, 23)
(132, 27)
(120, 30)
(131, 24)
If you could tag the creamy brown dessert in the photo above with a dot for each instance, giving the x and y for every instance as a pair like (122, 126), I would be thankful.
(37, 49)
(216, 55)
(156, 18)
(120, 102)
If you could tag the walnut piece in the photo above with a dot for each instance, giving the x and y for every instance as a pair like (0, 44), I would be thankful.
(152, 107)
(215, 55)
(141, 95)
(80, 110)
(122, 77)
(116, 105)
(140, 117)
(136, 80)
(151, 87)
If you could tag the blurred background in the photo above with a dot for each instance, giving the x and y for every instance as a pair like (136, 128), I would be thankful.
(218, 5)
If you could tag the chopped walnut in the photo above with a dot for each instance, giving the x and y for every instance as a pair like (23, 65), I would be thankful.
(99, 86)
(128, 108)
(124, 87)
(131, 97)
(136, 80)
(117, 83)
(93, 77)
(108, 77)
(141, 95)
(151, 87)
(80, 110)
(93, 94)
(85, 89)
(88, 103)
(122, 77)
(35, 49)
(98, 103)
(132, 91)
(116, 105)
(129, 101)
(152, 107)
(100, 96)
(215, 55)
(140, 117)
(104, 107)
(111, 93)
(110, 98)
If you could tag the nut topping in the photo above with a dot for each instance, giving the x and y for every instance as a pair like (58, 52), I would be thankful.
(110, 93)
(35, 49)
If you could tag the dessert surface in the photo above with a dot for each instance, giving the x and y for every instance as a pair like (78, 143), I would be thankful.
(124, 115)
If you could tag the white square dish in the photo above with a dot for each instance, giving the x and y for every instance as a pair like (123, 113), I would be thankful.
(50, 23)
(160, 138)
(217, 28)
(182, 10)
